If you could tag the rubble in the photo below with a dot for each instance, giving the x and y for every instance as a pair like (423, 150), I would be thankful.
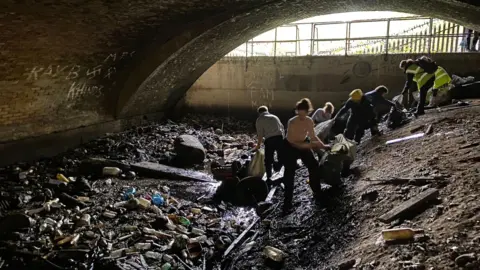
(103, 204)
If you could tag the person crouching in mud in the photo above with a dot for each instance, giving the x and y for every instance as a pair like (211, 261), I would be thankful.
(299, 128)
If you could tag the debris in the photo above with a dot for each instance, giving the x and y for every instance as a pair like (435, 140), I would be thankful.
(414, 181)
(84, 221)
(15, 222)
(71, 201)
(129, 193)
(346, 265)
(144, 203)
(189, 150)
(111, 171)
(62, 178)
(469, 145)
(370, 195)
(251, 190)
(157, 199)
(150, 169)
(274, 254)
(262, 208)
(153, 255)
(418, 135)
(109, 214)
(418, 128)
(410, 206)
(400, 234)
(462, 260)
(429, 129)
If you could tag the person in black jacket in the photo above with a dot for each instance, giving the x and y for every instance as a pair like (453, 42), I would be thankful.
(362, 116)
(380, 104)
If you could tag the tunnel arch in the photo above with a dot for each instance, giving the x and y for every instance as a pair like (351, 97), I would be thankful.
(164, 85)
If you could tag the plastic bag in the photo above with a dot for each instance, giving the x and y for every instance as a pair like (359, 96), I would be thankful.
(322, 130)
(257, 165)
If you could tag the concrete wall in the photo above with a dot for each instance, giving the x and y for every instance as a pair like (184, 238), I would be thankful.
(235, 87)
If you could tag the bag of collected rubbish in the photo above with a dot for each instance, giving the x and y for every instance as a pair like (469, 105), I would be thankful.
(323, 129)
(338, 160)
(443, 97)
(396, 118)
(257, 165)
(398, 98)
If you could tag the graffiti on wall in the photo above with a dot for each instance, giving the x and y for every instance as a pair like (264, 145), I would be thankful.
(82, 80)
(259, 85)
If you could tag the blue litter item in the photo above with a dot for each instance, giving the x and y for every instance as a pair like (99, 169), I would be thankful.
(129, 193)
(157, 199)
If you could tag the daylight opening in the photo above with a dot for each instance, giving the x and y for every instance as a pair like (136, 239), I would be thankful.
(357, 33)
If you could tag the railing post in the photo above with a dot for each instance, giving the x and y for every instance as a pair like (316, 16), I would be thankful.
(275, 47)
(246, 56)
(388, 37)
(430, 37)
(347, 38)
(312, 36)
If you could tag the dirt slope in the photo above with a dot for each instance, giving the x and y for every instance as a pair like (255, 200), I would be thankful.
(346, 227)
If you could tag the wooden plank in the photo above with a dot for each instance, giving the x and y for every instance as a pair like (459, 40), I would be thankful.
(410, 205)
(156, 170)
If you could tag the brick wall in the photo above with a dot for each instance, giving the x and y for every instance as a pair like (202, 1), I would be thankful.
(65, 64)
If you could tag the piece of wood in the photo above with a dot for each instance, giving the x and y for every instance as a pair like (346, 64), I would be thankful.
(469, 145)
(409, 206)
(415, 129)
(429, 129)
(150, 169)
(416, 181)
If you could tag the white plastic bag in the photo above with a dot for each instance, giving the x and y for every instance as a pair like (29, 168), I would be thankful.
(257, 165)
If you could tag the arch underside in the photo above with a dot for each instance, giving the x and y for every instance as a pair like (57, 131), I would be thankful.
(168, 82)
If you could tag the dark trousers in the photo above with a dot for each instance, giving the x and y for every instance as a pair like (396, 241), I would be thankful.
(423, 95)
(356, 125)
(291, 155)
(472, 46)
(272, 145)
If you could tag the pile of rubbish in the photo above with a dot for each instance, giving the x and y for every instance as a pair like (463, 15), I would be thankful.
(59, 214)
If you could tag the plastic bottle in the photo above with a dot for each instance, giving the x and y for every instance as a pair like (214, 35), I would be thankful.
(153, 255)
(157, 199)
(166, 266)
(274, 254)
(399, 234)
(129, 193)
(184, 221)
(111, 171)
(196, 211)
(61, 177)
(144, 203)
(143, 246)
(198, 239)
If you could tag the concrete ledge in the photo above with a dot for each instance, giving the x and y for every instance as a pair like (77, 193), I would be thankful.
(49, 145)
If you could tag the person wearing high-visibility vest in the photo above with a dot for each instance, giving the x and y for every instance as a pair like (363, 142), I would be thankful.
(428, 75)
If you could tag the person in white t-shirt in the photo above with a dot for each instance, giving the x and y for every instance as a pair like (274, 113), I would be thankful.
(323, 114)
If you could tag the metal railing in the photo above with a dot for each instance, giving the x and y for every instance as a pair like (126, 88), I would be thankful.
(413, 34)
